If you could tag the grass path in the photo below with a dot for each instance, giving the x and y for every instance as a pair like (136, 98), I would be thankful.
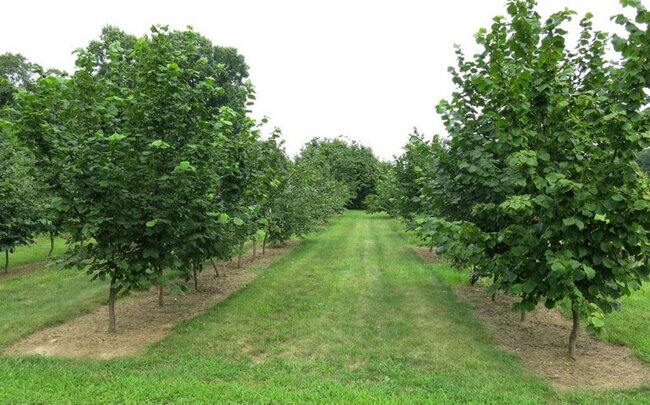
(350, 316)
(37, 251)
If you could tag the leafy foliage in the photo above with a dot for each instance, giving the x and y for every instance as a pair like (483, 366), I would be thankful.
(18, 194)
(151, 163)
(348, 162)
(538, 188)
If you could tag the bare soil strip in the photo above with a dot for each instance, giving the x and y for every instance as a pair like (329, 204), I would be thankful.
(23, 269)
(140, 322)
(429, 255)
(541, 341)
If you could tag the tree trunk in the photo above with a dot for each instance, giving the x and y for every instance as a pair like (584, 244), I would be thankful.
(196, 281)
(49, 254)
(159, 288)
(254, 248)
(214, 265)
(7, 261)
(264, 243)
(522, 317)
(241, 252)
(574, 330)
(112, 295)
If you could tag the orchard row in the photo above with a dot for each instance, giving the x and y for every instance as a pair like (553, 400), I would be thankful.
(146, 160)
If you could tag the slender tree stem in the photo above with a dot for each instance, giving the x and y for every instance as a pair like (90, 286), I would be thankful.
(6, 261)
(264, 242)
(49, 254)
(574, 330)
(214, 266)
(160, 289)
(112, 295)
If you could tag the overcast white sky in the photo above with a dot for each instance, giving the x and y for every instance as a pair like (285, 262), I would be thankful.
(370, 70)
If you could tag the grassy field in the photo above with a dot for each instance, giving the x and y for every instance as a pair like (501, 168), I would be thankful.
(35, 300)
(350, 316)
(631, 325)
(35, 252)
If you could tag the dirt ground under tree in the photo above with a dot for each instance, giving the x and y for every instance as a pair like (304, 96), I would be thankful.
(541, 341)
(140, 322)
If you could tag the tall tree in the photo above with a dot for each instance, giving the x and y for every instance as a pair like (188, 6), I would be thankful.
(18, 195)
(133, 137)
(546, 197)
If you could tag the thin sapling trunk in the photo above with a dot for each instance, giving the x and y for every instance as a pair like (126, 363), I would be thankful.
(254, 248)
(574, 330)
(112, 296)
(159, 288)
(49, 254)
(6, 261)
(264, 243)
(196, 281)
(214, 266)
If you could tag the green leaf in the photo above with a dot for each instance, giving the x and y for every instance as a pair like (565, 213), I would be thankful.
(152, 223)
(596, 322)
(184, 166)
(160, 144)
(529, 286)
(223, 218)
(115, 138)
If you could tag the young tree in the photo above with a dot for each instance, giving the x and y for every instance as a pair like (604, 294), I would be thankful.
(544, 193)
(137, 135)
(18, 195)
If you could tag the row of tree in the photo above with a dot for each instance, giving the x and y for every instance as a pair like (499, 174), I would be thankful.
(146, 160)
(538, 188)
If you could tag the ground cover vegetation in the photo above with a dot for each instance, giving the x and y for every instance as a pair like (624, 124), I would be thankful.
(371, 324)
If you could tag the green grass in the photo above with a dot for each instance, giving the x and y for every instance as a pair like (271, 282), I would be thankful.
(32, 301)
(352, 315)
(631, 325)
(35, 252)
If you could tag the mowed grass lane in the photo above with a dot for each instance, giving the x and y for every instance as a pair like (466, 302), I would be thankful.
(44, 295)
(350, 316)
(35, 252)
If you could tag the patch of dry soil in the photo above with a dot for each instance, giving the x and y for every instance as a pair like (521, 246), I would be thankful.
(140, 322)
(541, 341)
(23, 269)
(429, 256)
